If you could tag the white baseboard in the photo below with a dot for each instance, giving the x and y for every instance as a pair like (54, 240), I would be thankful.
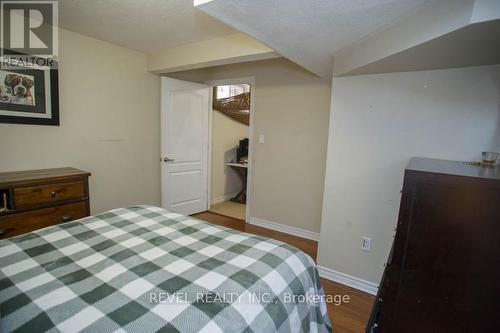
(284, 228)
(222, 199)
(327, 273)
(348, 280)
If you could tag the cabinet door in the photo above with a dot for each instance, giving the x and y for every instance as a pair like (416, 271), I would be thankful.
(450, 272)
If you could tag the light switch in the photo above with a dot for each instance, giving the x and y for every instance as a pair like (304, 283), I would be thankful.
(261, 138)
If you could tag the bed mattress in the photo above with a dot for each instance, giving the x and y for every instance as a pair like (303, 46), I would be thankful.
(145, 269)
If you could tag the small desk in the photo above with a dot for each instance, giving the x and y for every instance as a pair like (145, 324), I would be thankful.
(242, 171)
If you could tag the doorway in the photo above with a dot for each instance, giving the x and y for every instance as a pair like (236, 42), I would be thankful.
(230, 147)
(190, 150)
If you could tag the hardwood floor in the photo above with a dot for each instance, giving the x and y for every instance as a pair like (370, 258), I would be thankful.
(346, 317)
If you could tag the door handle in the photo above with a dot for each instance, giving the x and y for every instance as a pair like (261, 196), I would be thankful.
(166, 159)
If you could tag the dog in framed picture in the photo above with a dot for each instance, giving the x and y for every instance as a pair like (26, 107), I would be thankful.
(5, 94)
(17, 90)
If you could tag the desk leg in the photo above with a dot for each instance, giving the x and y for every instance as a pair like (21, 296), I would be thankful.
(241, 197)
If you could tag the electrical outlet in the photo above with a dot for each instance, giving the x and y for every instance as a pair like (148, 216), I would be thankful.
(367, 244)
(261, 138)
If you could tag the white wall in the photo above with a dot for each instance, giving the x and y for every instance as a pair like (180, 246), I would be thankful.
(110, 113)
(377, 123)
(226, 133)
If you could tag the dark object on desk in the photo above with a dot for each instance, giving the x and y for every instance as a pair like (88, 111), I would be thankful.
(242, 151)
(242, 170)
(443, 271)
(41, 198)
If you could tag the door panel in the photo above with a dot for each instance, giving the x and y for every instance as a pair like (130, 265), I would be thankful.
(187, 134)
(185, 112)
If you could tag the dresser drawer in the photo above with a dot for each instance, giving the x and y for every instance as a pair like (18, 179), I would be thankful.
(16, 224)
(43, 194)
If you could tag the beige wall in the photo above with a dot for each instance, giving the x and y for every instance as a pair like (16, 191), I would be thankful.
(292, 111)
(109, 108)
(226, 133)
(378, 123)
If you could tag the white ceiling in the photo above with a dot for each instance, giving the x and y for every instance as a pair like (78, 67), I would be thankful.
(309, 32)
(144, 25)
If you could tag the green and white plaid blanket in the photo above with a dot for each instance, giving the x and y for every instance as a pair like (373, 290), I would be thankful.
(144, 269)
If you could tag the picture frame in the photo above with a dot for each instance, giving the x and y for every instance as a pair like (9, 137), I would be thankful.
(29, 93)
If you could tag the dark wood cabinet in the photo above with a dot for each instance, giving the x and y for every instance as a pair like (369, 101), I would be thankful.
(443, 274)
(36, 199)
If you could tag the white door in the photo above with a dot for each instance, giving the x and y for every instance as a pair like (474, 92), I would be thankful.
(185, 108)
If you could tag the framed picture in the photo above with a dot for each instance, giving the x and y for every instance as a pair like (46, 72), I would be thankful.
(29, 93)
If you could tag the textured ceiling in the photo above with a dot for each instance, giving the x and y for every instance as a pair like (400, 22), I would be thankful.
(144, 25)
(309, 32)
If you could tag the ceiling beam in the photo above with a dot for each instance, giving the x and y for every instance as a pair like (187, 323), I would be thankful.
(200, 2)
(442, 34)
(224, 50)
(431, 21)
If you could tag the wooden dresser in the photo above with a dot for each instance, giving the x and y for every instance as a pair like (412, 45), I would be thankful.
(443, 273)
(35, 199)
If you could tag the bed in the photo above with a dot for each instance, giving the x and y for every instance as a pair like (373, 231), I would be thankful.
(145, 269)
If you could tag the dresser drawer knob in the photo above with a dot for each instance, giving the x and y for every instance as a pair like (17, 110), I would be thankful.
(67, 218)
(5, 230)
(53, 194)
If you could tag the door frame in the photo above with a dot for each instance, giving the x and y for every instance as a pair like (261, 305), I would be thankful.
(237, 80)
